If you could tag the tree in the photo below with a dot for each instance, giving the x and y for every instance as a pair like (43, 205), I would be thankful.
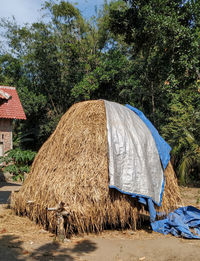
(163, 42)
(183, 133)
(53, 57)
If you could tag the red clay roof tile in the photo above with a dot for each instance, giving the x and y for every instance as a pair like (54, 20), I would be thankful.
(11, 108)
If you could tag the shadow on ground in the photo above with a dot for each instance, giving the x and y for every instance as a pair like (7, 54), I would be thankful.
(6, 189)
(11, 249)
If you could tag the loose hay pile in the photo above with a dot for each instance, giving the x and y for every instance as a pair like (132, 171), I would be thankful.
(72, 167)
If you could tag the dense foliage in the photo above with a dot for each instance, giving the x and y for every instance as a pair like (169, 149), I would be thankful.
(145, 53)
(17, 162)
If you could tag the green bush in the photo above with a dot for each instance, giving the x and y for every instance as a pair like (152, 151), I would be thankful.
(17, 162)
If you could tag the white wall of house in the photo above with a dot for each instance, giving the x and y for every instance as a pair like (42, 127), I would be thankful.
(6, 142)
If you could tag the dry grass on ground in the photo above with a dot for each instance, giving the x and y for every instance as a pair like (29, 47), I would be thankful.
(21, 239)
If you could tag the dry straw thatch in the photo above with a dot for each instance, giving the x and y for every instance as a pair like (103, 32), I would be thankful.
(72, 167)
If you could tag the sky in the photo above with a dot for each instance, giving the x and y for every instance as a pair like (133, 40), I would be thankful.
(28, 11)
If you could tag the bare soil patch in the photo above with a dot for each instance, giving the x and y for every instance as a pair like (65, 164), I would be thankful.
(21, 239)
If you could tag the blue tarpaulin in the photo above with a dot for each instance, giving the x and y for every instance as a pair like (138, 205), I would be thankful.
(134, 166)
(164, 153)
(179, 223)
(184, 221)
(162, 146)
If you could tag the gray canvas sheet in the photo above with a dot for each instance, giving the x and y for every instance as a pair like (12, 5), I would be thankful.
(134, 162)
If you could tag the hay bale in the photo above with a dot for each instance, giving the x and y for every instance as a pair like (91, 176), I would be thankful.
(72, 167)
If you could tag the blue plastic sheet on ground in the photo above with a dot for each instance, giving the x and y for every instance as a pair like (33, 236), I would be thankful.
(179, 223)
(162, 146)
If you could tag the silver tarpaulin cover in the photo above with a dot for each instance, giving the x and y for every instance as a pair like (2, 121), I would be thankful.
(134, 162)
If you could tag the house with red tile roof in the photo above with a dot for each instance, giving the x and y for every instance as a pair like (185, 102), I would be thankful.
(10, 109)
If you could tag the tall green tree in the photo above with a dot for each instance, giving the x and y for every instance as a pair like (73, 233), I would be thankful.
(164, 44)
(53, 56)
(163, 39)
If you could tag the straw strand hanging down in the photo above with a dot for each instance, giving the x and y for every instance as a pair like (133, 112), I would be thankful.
(72, 167)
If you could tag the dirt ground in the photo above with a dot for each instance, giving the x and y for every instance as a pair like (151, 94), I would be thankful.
(21, 239)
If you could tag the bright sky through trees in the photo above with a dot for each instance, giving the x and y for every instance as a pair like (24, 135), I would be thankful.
(28, 11)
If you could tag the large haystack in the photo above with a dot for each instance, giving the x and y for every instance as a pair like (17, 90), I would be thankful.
(72, 167)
